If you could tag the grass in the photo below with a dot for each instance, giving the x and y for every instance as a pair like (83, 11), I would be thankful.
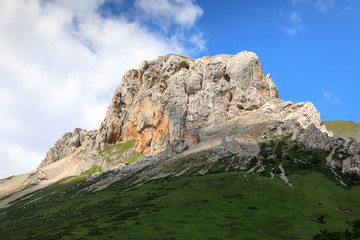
(119, 148)
(134, 157)
(215, 206)
(28, 186)
(93, 170)
(115, 152)
(344, 129)
(224, 204)
(183, 56)
(8, 178)
(297, 158)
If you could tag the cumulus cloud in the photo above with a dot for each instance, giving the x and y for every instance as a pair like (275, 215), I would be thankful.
(183, 12)
(60, 62)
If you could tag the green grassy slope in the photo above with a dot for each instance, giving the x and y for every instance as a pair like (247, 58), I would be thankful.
(115, 152)
(344, 129)
(215, 206)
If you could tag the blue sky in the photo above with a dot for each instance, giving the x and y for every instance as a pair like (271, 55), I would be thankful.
(311, 48)
(61, 60)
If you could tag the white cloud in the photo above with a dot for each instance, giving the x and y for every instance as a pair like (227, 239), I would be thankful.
(295, 17)
(197, 40)
(295, 24)
(183, 12)
(330, 97)
(321, 6)
(19, 159)
(324, 5)
(60, 63)
(293, 30)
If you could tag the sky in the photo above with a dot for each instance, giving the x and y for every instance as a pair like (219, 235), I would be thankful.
(61, 60)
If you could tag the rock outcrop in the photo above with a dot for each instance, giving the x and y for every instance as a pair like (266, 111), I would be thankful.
(173, 102)
(36, 177)
(313, 138)
(171, 98)
(68, 144)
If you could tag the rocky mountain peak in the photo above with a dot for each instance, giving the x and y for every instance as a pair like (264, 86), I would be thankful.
(169, 99)
(174, 102)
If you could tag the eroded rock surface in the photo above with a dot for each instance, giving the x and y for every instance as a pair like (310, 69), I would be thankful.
(314, 138)
(173, 103)
(36, 177)
(67, 145)
(170, 99)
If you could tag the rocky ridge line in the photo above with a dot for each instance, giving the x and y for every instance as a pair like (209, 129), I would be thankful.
(167, 102)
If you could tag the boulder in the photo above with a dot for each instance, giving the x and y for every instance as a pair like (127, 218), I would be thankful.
(36, 177)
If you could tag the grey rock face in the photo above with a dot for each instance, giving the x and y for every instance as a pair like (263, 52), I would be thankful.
(305, 113)
(90, 177)
(229, 147)
(172, 102)
(67, 145)
(36, 177)
(165, 100)
(314, 138)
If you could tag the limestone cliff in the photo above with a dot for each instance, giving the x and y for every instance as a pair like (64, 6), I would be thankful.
(67, 145)
(173, 102)
(169, 99)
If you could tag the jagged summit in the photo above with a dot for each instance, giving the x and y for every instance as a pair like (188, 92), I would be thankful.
(172, 97)
(174, 101)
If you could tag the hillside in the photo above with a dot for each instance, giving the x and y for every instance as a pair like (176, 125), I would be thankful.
(228, 199)
(215, 206)
(344, 129)
(190, 149)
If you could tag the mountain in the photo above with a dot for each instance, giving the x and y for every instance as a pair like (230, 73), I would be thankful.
(181, 140)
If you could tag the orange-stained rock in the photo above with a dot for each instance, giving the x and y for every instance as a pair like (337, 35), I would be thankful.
(168, 99)
(68, 144)
(172, 103)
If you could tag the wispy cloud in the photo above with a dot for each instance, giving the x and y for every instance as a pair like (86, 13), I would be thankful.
(330, 97)
(295, 17)
(324, 6)
(321, 6)
(293, 30)
(295, 25)
(198, 40)
(294, 2)
(348, 9)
